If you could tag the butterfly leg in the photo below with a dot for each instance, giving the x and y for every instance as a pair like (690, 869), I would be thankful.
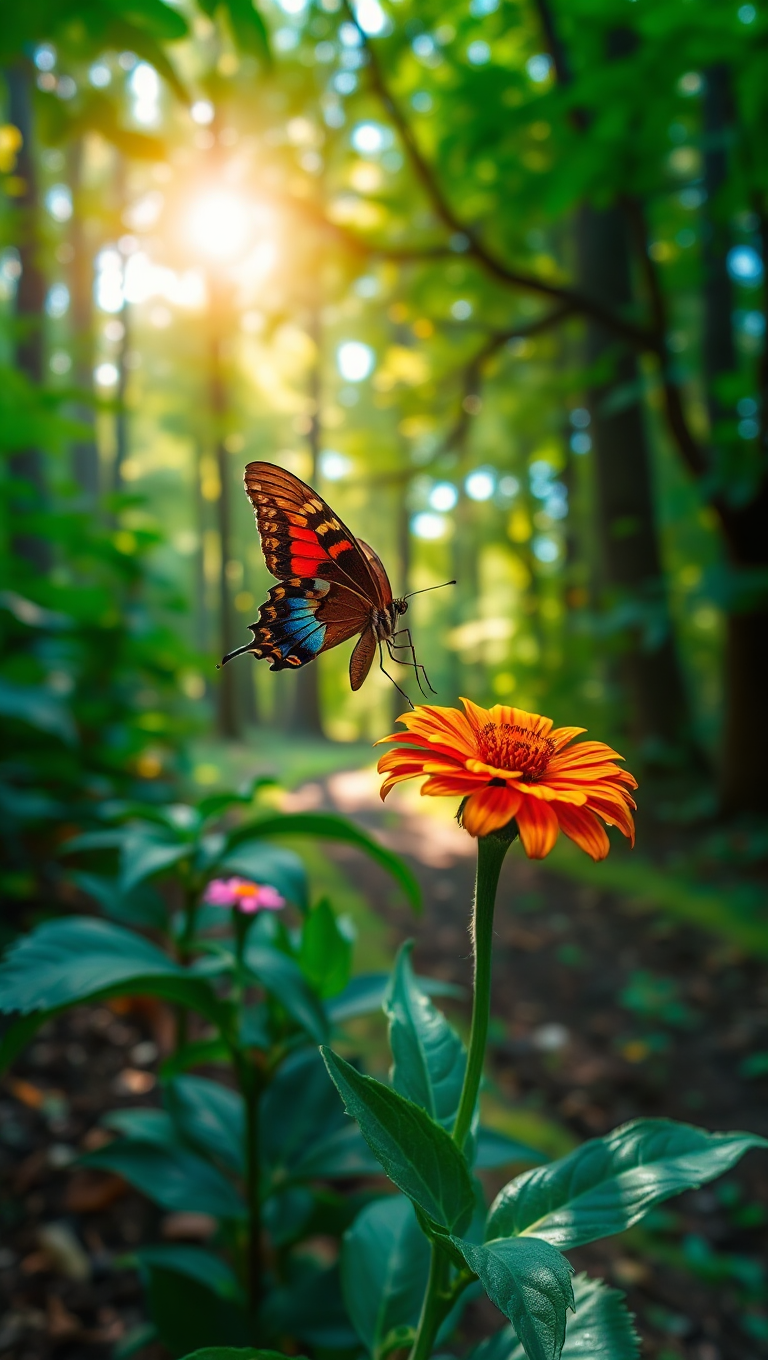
(390, 677)
(417, 666)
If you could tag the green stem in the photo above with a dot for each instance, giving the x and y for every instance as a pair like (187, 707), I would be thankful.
(490, 857)
(432, 1308)
(250, 1086)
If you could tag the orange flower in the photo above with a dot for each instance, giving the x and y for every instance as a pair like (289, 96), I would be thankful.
(508, 763)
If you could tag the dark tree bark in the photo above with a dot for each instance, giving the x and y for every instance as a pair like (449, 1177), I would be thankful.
(745, 528)
(27, 465)
(627, 529)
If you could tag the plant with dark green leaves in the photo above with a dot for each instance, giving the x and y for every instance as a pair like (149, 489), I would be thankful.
(217, 920)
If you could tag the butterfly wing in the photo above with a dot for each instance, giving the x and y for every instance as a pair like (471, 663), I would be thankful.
(303, 617)
(302, 537)
(378, 571)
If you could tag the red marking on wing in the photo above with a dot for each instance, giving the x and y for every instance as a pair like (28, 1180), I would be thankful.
(341, 547)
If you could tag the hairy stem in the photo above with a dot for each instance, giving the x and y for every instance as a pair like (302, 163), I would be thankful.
(490, 857)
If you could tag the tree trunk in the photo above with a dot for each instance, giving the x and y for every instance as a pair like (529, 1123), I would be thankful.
(745, 739)
(85, 454)
(27, 465)
(628, 535)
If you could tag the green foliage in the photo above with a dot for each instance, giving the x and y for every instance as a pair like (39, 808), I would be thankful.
(416, 1153)
(384, 1269)
(530, 1282)
(325, 956)
(610, 1183)
(601, 1329)
(429, 1058)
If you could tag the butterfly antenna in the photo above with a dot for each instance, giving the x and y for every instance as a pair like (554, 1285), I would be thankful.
(426, 588)
(239, 651)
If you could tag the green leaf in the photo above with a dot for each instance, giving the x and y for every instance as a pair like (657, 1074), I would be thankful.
(530, 1282)
(429, 1057)
(236, 1353)
(384, 1269)
(416, 1153)
(215, 803)
(281, 869)
(305, 1134)
(39, 708)
(494, 1149)
(329, 826)
(144, 907)
(78, 957)
(248, 28)
(187, 1311)
(143, 857)
(197, 1264)
(284, 980)
(211, 1116)
(609, 1183)
(143, 1124)
(173, 1177)
(365, 994)
(602, 1329)
(325, 953)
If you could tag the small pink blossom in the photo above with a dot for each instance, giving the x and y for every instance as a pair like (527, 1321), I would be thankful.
(244, 895)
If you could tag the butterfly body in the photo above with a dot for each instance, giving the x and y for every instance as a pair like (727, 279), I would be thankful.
(332, 586)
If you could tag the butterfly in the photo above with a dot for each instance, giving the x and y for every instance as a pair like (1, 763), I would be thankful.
(332, 586)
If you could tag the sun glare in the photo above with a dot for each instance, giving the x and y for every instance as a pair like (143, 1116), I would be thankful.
(219, 225)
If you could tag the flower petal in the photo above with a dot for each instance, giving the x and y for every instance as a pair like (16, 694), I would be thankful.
(583, 828)
(538, 826)
(489, 809)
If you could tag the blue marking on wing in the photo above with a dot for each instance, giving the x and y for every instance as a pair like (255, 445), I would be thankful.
(304, 631)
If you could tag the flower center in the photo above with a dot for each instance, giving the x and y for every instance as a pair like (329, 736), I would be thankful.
(510, 747)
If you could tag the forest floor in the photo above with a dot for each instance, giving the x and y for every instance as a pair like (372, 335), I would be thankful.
(604, 1010)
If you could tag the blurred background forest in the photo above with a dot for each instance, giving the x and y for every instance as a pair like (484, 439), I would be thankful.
(488, 274)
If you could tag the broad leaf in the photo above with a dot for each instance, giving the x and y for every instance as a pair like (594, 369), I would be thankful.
(143, 1124)
(235, 1353)
(144, 907)
(602, 1329)
(281, 869)
(248, 28)
(284, 980)
(211, 1116)
(195, 1262)
(76, 958)
(39, 708)
(174, 1177)
(342, 1155)
(325, 954)
(188, 1311)
(384, 1269)
(494, 1149)
(143, 857)
(429, 1057)
(530, 1282)
(416, 1153)
(364, 995)
(300, 1114)
(329, 826)
(609, 1183)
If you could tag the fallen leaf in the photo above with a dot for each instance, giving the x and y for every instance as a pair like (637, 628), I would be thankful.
(60, 1323)
(65, 1251)
(188, 1227)
(89, 1192)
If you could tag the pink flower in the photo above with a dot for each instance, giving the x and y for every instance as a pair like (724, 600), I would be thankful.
(244, 895)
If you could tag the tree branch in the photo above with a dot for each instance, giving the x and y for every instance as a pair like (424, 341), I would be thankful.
(575, 300)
